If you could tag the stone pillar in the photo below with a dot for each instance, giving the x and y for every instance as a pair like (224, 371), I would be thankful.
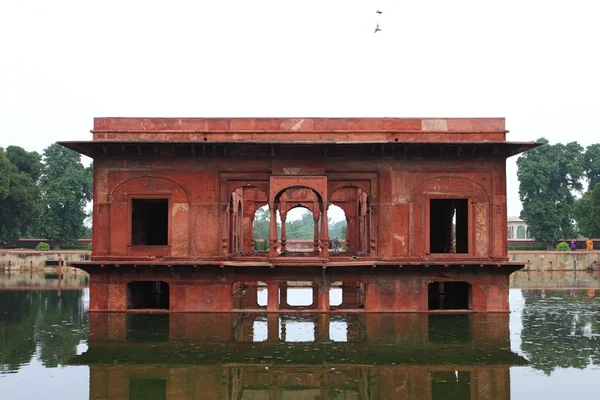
(283, 232)
(324, 297)
(372, 230)
(352, 225)
(316, 235)
(283, 296)
(251, 249)
(324, 231)
(315, 296)
(273, 231)
(226, 231)
(272, 296)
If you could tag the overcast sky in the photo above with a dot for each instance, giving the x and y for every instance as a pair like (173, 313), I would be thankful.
(536, 63)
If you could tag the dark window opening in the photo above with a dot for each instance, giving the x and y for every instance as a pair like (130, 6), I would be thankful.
(147, 295)
(449, 296)
(450, 385)
(149, 222)
(448, 226)
(147, 389)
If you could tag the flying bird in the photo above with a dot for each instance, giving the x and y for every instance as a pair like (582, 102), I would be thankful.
(378, 12)
(377, 29)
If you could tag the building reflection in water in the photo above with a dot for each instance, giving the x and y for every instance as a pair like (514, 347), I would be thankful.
(317, 356)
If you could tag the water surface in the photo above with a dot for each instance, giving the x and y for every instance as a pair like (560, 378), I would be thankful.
(548, 347)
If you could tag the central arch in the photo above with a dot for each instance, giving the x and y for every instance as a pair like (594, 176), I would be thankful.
(287, 193)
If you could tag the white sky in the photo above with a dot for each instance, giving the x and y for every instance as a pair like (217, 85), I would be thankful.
(534, 62)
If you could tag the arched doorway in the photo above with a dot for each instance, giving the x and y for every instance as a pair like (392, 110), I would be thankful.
(242, 206)
(300, 231)
(354, 202)
(286, 202)
(338, 229)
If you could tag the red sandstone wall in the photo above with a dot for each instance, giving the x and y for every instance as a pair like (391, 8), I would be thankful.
(198, 190)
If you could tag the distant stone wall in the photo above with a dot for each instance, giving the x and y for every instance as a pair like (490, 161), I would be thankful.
(16, 260)
(557, 260)
(555, 280)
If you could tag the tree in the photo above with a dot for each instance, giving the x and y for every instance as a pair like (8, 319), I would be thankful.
(548, 177)
(591, 164)
(27, 162)
(66, 187)
(18, 200)
(587, 209)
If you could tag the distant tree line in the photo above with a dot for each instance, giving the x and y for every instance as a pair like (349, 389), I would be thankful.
(301, 228)
(559, 186)
(43, 195)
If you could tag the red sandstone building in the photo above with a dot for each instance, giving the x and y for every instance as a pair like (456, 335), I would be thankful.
(175, 200)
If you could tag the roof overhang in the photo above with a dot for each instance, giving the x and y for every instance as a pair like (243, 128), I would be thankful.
(399, 149)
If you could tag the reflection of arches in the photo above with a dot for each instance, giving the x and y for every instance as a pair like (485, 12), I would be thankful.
(521, 232)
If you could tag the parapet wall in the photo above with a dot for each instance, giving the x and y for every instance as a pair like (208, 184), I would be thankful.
(557, 260)
(36, 260)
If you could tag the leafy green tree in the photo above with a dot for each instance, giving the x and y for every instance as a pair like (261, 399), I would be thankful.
(27, 162)
(66, 187)
(548, 176)
(338, 229)
(587, 212)
(18, 200)
(302, 228)
(591, 164)
(587, 208)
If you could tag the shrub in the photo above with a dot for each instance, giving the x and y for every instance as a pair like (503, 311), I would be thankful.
(563, 246)
(42, 246)
(89, 247)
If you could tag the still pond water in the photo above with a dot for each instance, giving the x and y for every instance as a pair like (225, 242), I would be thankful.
(547, 348)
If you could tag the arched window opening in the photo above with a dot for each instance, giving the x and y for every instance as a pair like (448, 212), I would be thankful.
(338, 229)
(300, 209)
(150, 222)
(350, 220)
(299, 231)
(510, 233)
(449, 226)
(147, 295)
(246, 204)
(261, 225)
(521, 232)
